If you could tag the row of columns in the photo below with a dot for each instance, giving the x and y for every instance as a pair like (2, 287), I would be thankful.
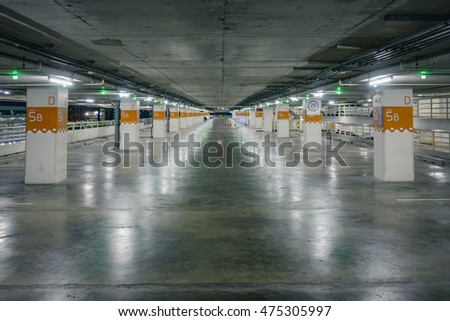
(46, 130)
(393, 130)
(165, 119)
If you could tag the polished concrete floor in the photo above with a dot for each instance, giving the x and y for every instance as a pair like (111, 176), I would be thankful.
(171, 233)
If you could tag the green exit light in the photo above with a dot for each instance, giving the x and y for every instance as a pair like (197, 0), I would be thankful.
(14, 74)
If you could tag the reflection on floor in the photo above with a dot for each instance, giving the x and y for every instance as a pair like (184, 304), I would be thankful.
(326, 233)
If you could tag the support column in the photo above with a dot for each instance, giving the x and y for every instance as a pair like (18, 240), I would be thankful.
(283, 120)
(259, 118)
(183, 118)
(246, 118)
(159, 121)
(129, 122)
(251, 119)
(393, 135)
(312, 121)
(267, 119)
(174, 125)
(46, 135)
(189, 118)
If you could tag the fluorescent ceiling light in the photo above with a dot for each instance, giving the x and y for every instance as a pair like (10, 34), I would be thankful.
(318, 94)
(331, 102)
(380, 81)
(149, 98)
(6, 92)
(60, 81)
(89, 100)
(294, 98)
(124, 95)
(277, 101)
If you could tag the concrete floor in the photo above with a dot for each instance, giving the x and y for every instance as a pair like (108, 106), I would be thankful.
(332, 233)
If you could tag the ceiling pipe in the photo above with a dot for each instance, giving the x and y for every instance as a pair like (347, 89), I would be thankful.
(95, 83)
(58, 58)
(402, 67)
(396, 49)
(36, 69)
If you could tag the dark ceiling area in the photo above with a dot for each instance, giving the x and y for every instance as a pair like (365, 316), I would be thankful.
(222, 52)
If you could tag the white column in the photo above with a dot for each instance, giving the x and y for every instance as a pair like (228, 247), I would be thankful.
(197, 117)
(283, 120)
(393, 138)
(268, 119)
(129, 122)
(312, 121)
(259, 118)
(189, 118)
(46, 135)
(174, 124)
(251, 119)
(159, 121)
(183, 118)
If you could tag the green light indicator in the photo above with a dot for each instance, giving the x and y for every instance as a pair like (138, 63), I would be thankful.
(307, 96)
(423, 74)
(14, 74)
(339, 90)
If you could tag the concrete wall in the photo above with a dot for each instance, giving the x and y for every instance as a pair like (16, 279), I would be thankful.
(89, 133)
(9, 149)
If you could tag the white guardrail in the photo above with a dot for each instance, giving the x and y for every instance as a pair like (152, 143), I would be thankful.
(13, 131)
(433, 140)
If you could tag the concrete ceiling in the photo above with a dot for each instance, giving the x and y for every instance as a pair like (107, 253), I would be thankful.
(217, 52)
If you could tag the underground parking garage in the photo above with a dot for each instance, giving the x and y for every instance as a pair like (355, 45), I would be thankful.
(226, 151)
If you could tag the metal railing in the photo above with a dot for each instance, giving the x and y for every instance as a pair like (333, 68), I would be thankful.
(364, 131)
(347, 110)
(432, 108)
(433, 140)
(10, 134)
(89, 124)
(15, 132)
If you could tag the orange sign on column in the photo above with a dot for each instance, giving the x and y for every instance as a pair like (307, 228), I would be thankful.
(44, 119)
(128, 116)
(393, 118)
(311, 119)
(158, 115)
(283, 115)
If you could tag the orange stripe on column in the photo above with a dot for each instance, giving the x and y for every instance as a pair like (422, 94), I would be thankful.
(46, 119)
(158, 115)
(283, 115)
(311, 119)
(395, 118)
(128, 116)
